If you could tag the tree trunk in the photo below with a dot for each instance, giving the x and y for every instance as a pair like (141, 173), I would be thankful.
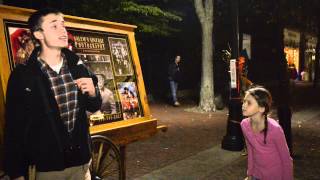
(204, 10)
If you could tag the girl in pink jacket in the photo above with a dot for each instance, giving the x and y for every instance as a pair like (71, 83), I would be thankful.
(268, 153)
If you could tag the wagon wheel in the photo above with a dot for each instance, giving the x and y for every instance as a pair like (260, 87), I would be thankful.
(106, 163)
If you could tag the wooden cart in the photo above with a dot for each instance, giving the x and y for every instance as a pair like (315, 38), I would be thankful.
(109, 49)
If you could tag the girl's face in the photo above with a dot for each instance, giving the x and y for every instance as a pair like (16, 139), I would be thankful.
(250, 107)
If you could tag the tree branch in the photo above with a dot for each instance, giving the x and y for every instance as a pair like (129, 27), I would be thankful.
(209, 9)
(200, 10)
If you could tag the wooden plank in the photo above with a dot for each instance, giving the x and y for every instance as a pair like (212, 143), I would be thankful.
(125, 134)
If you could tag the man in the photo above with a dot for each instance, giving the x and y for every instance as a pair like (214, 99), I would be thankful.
(108, 103)
(174, 77)
(46, 103)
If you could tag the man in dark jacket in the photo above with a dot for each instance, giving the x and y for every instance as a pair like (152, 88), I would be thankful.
(46, 103)
(174, 77)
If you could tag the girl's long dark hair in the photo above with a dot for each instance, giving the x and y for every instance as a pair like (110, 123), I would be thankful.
(264, 99)
(265, 129)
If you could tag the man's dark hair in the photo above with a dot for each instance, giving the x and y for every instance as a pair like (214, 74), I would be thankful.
(35, 20)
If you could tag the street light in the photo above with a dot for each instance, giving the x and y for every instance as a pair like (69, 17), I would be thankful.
(233, 140)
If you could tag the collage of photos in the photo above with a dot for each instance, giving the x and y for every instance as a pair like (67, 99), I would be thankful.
(120, 56)
(101, 65)
(129, 100)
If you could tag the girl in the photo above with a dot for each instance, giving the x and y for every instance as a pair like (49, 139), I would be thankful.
(268, 153)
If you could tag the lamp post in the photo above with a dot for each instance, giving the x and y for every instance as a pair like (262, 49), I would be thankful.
(233, 140)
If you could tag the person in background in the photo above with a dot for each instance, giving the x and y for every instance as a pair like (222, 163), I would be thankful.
(268, 153)
(293, 72)
(46, 102)
(174, 75)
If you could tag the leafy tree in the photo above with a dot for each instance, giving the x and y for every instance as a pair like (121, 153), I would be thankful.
(150, 19)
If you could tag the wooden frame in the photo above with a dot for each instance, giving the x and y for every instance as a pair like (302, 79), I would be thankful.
(121, 131)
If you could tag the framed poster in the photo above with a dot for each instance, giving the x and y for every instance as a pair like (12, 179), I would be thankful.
(105, 54)
(108, 49)
(19, 42)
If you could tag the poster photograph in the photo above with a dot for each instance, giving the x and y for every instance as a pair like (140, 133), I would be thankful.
(108, 97)
(129, 100)
(102, 67)
(21, 44)
(110, 101)
(120, 56)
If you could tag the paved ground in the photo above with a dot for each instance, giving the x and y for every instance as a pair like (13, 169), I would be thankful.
(190, 149)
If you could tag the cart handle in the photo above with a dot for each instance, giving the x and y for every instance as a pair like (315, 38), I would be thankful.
(162, 128)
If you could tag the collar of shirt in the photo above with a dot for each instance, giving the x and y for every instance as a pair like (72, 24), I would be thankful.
(45, 66)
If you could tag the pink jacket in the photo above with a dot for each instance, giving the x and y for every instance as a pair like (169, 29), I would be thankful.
(270, 161)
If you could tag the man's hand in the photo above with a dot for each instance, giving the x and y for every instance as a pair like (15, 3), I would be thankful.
(248, 178)
(86, 86)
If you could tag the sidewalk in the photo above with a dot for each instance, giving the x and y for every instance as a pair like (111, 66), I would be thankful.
(200, 166)
(188, 134)
(191, 147)
(215, 163)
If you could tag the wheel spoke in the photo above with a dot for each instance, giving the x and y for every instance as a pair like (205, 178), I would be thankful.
(94, 157)
(107, 166)
(106, 162)
(107, 173)
(99, 157)
(105, 157)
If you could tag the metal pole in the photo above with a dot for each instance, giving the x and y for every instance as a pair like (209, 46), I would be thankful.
(233, 140)
(235, 28)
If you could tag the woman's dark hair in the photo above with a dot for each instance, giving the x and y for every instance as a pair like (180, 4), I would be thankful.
(35, 20)
(264, 99)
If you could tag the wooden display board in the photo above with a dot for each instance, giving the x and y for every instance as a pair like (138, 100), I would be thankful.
(109, 50)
